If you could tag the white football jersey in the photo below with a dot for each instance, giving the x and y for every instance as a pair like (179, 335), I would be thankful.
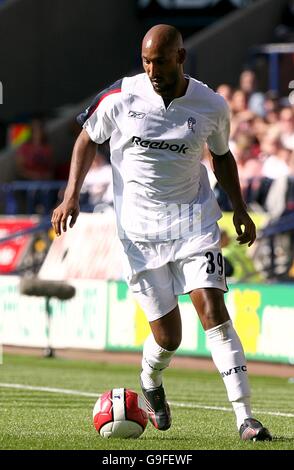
(161, 190)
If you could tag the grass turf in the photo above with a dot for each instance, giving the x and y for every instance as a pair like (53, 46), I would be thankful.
(42, 420)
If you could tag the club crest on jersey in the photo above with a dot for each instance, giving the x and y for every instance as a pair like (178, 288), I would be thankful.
(191, 123)
(136, 115)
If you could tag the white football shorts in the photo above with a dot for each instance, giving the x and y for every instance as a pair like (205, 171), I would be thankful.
(157, 272)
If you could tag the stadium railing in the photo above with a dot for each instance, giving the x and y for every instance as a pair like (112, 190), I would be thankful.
(29, 197)
(283, 225)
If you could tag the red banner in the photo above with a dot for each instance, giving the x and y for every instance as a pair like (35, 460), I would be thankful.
(13, 251)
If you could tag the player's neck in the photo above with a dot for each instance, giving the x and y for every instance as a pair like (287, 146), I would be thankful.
(179, 90)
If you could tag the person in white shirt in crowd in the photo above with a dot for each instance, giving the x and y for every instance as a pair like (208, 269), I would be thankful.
(275, 157)
(226, 91)
(255, 98)
(98, 181)
(280, 199)
(286, 126)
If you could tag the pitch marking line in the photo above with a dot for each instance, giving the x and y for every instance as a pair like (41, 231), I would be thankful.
(63, 391)
(78, 393)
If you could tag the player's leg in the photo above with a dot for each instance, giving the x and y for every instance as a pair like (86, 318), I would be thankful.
(228, 356)
(199, 270)
(158, 351)
(153, 290)
(160, 347)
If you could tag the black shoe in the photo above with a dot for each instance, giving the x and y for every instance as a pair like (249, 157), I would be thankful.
(157, 407)
(253, 430)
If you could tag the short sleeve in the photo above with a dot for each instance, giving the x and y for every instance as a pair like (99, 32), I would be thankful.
(218, 140)
(97, 119)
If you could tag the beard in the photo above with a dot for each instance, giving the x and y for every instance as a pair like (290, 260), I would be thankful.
(163, 87)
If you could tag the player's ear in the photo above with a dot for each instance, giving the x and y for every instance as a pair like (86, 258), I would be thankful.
(181, 55)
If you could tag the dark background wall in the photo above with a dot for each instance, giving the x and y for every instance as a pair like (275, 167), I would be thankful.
(218, 54)
(54, 52)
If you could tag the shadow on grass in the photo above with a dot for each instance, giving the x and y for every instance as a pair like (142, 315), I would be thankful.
(283, 439)
(165, 438)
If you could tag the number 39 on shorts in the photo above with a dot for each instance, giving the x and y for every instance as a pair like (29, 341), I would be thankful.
(214, 262)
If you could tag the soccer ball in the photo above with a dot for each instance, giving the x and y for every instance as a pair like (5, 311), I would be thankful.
(120, 413)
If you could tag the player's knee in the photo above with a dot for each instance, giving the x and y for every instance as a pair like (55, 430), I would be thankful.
(215, 314)
(170, 343)
(211, 307)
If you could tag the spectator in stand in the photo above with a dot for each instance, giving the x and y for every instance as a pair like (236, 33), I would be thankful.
(241, 148)
(241, 116)
(254, 184)
(239, 102)
(286, 126)
(271, 107)
(98, 181)
(279, 203)
(259, 129)
(34, 158)
(255, 99)
(220, 194)
(257, 185)
(276, 157)
(280, 199)
(226, 91)
(34, 162)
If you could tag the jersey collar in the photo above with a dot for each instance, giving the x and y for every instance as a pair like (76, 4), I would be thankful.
(157, 99)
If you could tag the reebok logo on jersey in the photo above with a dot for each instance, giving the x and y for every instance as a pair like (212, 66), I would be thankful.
(136, 114)
(159, 144)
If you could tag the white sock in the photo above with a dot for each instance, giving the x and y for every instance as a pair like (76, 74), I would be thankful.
(228, 356)
(242, 410)
(155, 360)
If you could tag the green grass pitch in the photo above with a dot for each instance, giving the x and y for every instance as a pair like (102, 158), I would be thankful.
(31, 419)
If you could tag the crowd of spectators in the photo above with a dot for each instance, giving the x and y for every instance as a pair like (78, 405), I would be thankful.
(262, 141)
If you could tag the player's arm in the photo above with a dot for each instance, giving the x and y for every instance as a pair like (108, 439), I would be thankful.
(82, 157)
(98, 126)
(226, 172)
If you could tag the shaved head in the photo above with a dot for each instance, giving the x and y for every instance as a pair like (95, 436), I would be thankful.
(163, 56)
(163, 36)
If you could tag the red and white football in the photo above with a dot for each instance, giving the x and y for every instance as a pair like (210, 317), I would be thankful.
(121, 413)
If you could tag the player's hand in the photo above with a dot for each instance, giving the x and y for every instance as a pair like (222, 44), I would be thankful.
(245, 227)
(68, 208)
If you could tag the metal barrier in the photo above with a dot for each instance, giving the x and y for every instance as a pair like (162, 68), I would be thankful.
(283, 225)
(29, 197)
